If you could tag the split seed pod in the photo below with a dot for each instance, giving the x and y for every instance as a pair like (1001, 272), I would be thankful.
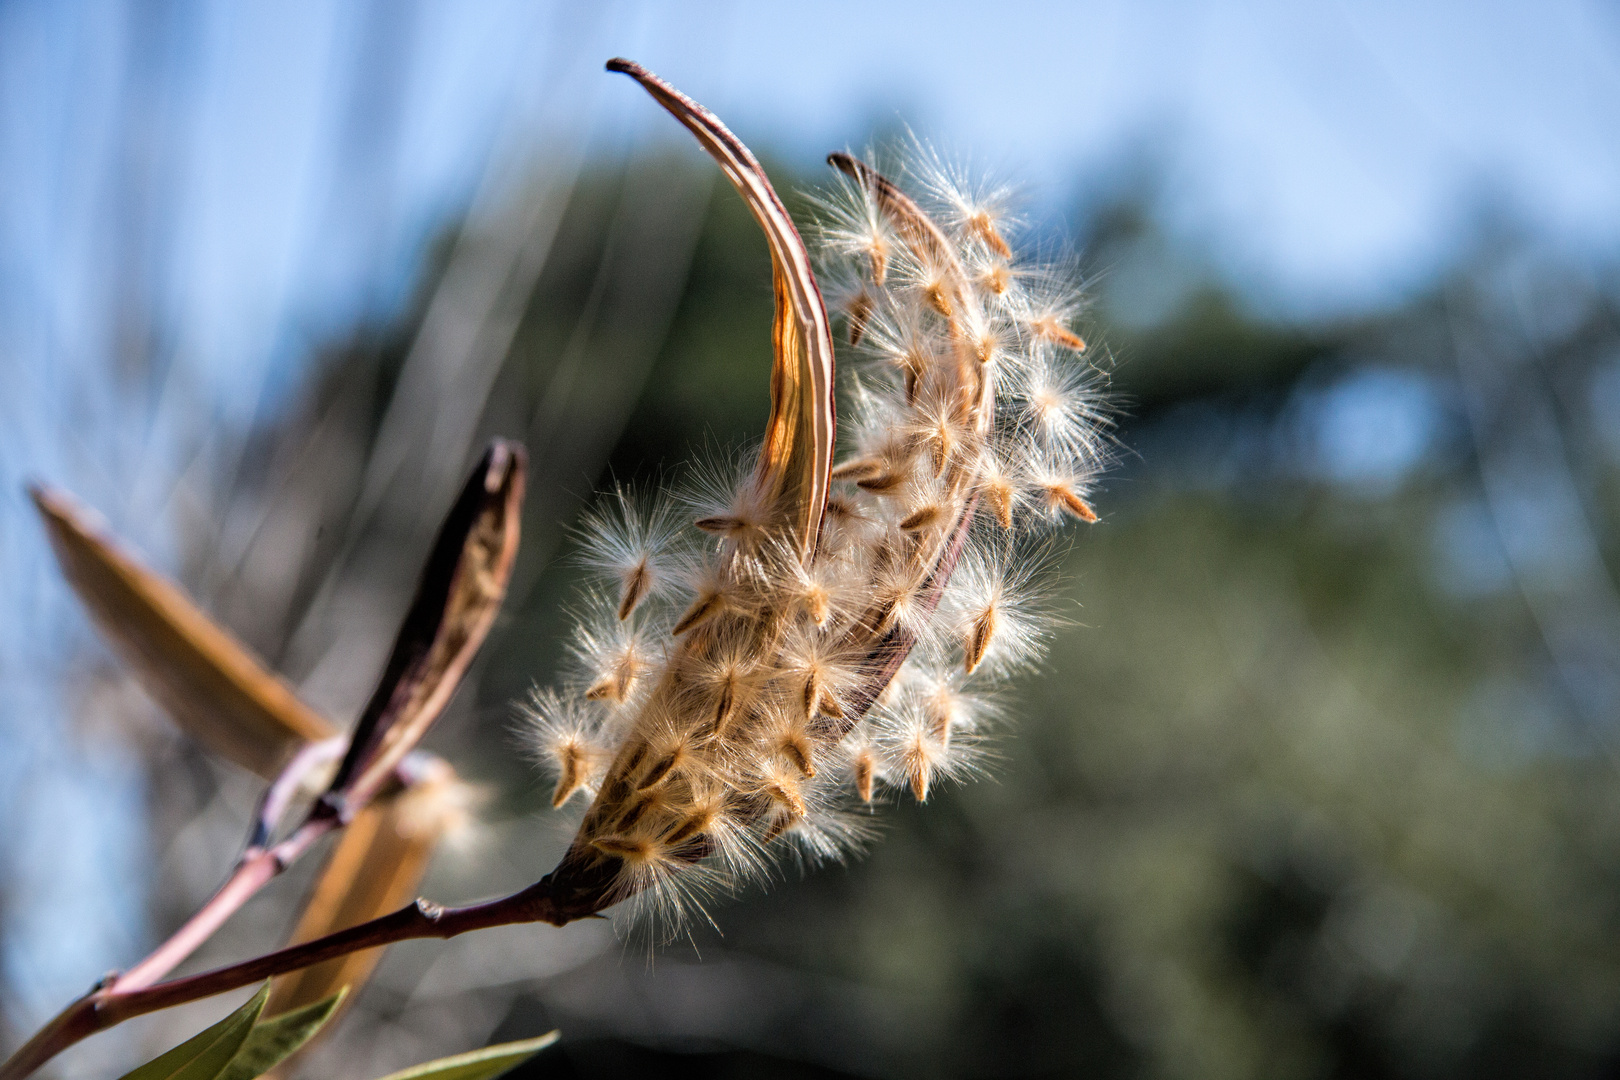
(782, 700)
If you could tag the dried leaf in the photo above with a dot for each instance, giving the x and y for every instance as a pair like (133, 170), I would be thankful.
(205, 1056)
(483, 1064)
(794, 462)
(199, 673)
(456, 602)
(375, 868)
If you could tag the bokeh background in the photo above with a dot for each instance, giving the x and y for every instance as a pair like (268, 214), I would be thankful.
(1322, 779)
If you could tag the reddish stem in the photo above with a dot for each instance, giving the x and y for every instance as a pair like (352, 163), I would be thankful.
(106, 1006)
(256, 869)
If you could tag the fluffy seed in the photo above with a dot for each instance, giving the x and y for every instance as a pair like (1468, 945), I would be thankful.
(616, 684)
(1052, 330)
(570, 773)
(702, 610)
(787, 647)
(721, 525)
(695, 825)
(857, 470)
(661, 770)
(796, 747)
(1063, 497)
(920, 518)
(860, 310)
(638, 851)
(636, 583)
(865, 772)
(999, 494)
(997, 279)
(978, 641)
(881, 484)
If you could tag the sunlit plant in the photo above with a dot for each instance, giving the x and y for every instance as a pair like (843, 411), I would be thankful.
(760, 658)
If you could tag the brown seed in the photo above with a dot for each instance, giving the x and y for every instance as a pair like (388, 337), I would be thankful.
(941, 443)
(857, 470)
(918, 774)
(982, 227)
(829, 706)
(634, 812)
(571, 774)
(882, 483)
(721, 525)
(692, 826)
(781, 824)
(797, 749)
(996, 279)
(636, 583)
(920, 518)
(812, 693)
(787, 797)
(865, 771)
(877, 258)
(617, 683)
(839, 507)
(914, 367)
(622, 847)
(701, 611)
(662, 769)
(938, 300)
(818, 605)
(726, 707)
(978, 641)
(1000, 493)
(1070, 502)
(1053, 330)
(860, 312)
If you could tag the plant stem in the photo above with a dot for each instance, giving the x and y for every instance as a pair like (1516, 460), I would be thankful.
(257, 868)
(107, 1006)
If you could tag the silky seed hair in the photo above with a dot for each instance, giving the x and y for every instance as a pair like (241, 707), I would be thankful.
(738, 699)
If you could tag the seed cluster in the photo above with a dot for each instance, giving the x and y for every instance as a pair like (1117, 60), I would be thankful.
(734, 696)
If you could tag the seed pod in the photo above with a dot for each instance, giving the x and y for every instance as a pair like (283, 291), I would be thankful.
(807, 607)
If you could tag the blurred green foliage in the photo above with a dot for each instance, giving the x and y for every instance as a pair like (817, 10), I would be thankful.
(1286, 800)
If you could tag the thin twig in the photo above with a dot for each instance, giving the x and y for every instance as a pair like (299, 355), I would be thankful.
(257, 868)
(106, 1006)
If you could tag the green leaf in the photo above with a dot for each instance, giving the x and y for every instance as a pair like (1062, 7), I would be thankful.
(273, 1040)
(482, 1064)
(205, 1056)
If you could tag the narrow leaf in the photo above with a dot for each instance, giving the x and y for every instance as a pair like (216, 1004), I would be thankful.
(205, 1056)
(792, 475)
(456, 602)
(272, 1041)
(483, 1064)
(198, 672)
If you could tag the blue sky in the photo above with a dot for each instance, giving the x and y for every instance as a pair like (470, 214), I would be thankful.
(1330, 154)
